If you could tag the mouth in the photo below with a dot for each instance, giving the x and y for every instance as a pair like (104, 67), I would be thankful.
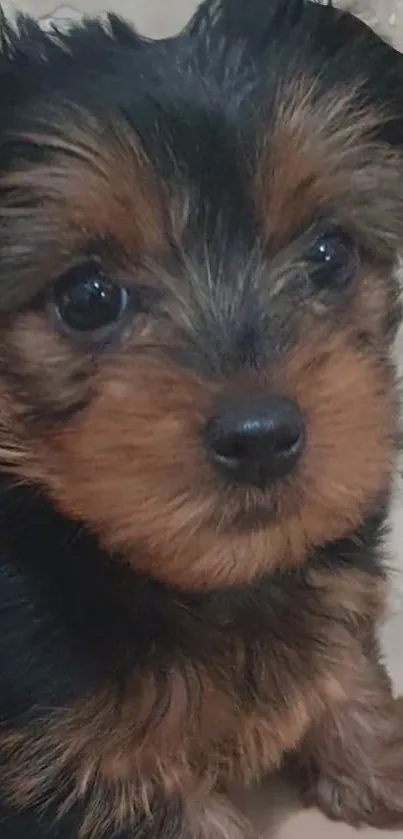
(254, 519)
(242, 509)
(252, 510)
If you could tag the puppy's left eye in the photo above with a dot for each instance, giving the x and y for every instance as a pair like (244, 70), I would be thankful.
(333, 261)
(86, 300)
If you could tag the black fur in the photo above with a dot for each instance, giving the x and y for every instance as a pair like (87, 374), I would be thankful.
(61, 630)
(59, 626)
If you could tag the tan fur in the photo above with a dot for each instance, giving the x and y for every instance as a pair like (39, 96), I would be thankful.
(120, 757)
(170, 514)
(320, 156)
(169, 509)
(354, 773)
(95, 183)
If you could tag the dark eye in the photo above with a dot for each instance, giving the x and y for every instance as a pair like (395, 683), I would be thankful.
(333, 261)
(86, 300)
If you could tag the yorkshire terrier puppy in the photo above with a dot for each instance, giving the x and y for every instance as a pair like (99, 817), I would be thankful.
(198, 419)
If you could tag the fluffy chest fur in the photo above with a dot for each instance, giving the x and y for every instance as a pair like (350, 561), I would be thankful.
(151, 692)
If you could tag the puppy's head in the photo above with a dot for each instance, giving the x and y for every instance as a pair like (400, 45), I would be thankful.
(198, 239)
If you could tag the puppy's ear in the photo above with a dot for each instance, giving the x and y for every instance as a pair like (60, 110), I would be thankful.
(28, 51)
(290, 37)
(360, 56)
(247, 22)
(24, 50)
(259, 23)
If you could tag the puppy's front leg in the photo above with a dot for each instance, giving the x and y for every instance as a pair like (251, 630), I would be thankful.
(351, 762)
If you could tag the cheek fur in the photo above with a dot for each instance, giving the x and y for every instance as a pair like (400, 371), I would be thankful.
(132, 464)
(347, 397)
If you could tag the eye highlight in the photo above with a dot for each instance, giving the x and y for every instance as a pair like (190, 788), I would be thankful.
(85, 300)
(332, 261)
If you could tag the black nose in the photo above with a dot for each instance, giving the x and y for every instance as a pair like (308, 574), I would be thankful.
(257, 442)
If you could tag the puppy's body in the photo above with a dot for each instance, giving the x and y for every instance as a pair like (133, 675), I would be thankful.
(197, 238)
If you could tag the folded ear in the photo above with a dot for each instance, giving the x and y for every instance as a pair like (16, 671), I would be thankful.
(27, 50)
(375, 65)
(246, 21)
(259, 22)
(315, 39)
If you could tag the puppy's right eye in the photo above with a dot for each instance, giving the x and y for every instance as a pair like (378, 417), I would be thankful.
(86, 300)
(333, 261)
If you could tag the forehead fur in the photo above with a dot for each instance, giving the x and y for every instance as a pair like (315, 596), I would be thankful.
(321, 158)
(80, 182)
(248, 132)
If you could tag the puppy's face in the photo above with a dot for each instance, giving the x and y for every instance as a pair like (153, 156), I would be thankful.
(196, 293)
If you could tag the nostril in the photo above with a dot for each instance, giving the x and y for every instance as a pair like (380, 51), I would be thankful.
(284, 439)
(226, 444)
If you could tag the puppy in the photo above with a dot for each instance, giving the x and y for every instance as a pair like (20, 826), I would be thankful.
(198, 419)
